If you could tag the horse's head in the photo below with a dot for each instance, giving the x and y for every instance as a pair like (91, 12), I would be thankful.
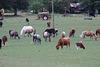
(57, 47)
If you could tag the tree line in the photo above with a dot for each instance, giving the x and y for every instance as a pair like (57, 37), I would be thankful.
(40, 5)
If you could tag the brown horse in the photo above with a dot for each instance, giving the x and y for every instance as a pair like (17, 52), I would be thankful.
(29, 32)
(48, 23)
(4, 39)
(13, 33)
(97, 32)
(88, 33)
(72, 32)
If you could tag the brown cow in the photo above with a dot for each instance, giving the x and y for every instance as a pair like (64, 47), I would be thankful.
(80, 45)
(63, 41)
(4, 39)
(97, 32)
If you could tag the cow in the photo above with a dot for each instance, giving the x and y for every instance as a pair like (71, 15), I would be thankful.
(63, 41)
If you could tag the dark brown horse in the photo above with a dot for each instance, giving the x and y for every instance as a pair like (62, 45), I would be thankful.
(13, 33)
(4, 39)
(72, 32)
(97, 32)
(29, 32)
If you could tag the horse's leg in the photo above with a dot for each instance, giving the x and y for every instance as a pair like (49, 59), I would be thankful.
(45, 38)
(49, 38)
(61, 46)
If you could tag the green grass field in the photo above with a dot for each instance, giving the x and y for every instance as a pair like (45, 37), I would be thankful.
(23, 53)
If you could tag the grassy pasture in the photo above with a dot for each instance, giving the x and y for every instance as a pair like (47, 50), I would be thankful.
(23, 53)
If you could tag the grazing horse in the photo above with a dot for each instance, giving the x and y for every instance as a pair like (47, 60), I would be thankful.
(97, 32)
(88, 33)
(36, 37)
(13, 33)
(48, 23)
(4, 39)
(29, 32)
(25, 28)
(80, 45)
(46, 35)
(0, 43)
(63, 41)
(52, 31)
(72, 32)
(63, 34)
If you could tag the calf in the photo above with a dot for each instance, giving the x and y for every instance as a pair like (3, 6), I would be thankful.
(63, 41)
(80, 45)
(4, 39)
(36, 37)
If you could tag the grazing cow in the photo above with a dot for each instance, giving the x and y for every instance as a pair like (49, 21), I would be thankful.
(0, 43)
(63, 34)
(27, 20)
(48, 23)
(13, 33)
(72, 32)
(4, 39)
(46, 35)
(63, 41)
(88, 33)
(1, 24)
(30, 32)
(36, 37)
(97, 32)
(52, 31)
(80, 45)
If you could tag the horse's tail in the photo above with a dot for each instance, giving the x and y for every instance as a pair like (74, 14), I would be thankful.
(81, 34)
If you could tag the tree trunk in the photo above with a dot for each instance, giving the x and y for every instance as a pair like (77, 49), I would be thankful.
(15, 12)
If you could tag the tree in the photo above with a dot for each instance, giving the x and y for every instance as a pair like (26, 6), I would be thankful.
(37, 6)
(19, 5)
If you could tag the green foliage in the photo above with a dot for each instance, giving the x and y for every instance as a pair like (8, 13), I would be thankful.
(37, 6)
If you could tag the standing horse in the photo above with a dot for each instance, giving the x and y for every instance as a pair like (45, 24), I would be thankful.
(88, 33)
(36, 37)
(48, 23)
(29, 32)
(4, 39)
(97, 32)
(72, 32)
(13, 33)
(46, 35)
(25, 28)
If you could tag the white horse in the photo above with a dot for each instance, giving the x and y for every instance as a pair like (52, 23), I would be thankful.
(24, 29)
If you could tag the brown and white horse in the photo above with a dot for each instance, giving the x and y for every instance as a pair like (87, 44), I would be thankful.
(29, 32)
(46, 35)
(4, 39)
(97, 32)
(80, 45)
(72, 32)
(88, 33)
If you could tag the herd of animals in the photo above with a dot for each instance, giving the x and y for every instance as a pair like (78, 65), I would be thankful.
(63, 41)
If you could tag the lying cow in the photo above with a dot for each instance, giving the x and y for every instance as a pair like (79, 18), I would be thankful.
(13, 33)
(63, 41)
(36, 37)
(80, 45)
